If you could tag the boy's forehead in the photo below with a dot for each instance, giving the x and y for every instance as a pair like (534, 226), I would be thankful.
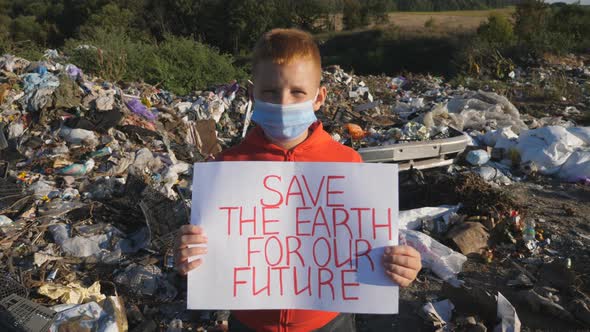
(296, 71)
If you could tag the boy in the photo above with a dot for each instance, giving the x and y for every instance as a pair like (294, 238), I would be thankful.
(286, 73)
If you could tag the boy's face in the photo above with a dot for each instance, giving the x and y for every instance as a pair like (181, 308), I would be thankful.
(291, 83)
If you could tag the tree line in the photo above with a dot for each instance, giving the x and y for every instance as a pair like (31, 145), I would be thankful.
(229, 25)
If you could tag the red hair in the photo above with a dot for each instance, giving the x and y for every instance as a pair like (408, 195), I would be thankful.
(283, 46)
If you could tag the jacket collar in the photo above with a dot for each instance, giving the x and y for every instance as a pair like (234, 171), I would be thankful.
(316, 138)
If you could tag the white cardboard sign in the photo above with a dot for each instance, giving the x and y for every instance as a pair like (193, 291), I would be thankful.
(286, 235)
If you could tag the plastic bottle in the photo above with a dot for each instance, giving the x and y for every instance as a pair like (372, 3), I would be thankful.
(528, 231)
(106, 151)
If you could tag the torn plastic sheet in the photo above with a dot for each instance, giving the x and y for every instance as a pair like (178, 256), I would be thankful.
(78, 246)
(38, 90)
(78, 136)
(5, 221)
(84, 317)
(147, 281)
(43, 188)
(548, 147)
(507, 313)
(57, 207)
(443, 261)
(412, 219)
(479, 110)
(107, 246)
(440, 313)
(492, 174)
(73, 72)
(477, 157)
(577, 167)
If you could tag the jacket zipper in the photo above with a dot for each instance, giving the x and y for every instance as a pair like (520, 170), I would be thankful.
(283, 321)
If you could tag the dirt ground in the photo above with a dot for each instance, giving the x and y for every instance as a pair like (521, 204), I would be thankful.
(564, 213)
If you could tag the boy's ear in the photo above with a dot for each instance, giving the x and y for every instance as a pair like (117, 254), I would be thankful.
(319, 101)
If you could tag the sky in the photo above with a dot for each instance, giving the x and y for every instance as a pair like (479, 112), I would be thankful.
(583, 2)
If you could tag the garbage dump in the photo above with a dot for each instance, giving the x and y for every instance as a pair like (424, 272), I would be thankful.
(95, 180)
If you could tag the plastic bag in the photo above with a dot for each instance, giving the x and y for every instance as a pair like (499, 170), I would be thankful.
(477, 157)
(442, 260)
(412, 219)
(548, 147)
(577, 167)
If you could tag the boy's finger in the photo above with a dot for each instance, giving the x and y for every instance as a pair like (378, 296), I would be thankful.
(189, 252)
(401, 271)
(184, 268)
(187, 240)
(191, 229)
(405, 261)
(404, 251)
(403, 282)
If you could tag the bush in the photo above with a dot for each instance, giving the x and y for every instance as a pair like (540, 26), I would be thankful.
(178, 64)
(24, 49)
(186, 65)
(104, 54)
(497, 31)
(487, 54)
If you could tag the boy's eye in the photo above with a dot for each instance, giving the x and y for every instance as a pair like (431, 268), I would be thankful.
(299, 92)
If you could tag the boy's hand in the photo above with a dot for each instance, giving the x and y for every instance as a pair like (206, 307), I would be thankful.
(189, 235)
(402, 264)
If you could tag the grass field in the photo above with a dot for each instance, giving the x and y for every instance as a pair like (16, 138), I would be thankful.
(419, 42)
(449, 21)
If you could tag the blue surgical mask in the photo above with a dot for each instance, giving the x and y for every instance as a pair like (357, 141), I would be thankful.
(284, 123)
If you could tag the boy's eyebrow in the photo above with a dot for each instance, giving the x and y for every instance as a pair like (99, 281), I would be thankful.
(264, 87)
(298, 88)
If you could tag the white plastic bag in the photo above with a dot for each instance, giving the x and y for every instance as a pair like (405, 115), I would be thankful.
(442, 260)
(577, 167)
(548, 147)
(412, 219)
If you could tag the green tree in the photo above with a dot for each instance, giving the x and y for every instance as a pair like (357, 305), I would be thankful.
(572, 23)
(25, 28)
(531, 19)
(109, 17)
(378, 10)
(243, 27)
(352, 15)
(309, 14)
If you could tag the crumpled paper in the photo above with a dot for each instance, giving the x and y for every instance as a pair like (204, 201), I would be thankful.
(72, 293)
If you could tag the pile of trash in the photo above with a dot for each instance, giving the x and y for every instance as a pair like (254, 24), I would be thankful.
(95, 179)
(492, 228)
(504, 145)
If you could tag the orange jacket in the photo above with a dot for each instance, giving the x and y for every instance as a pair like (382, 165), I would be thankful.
(319, 146)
